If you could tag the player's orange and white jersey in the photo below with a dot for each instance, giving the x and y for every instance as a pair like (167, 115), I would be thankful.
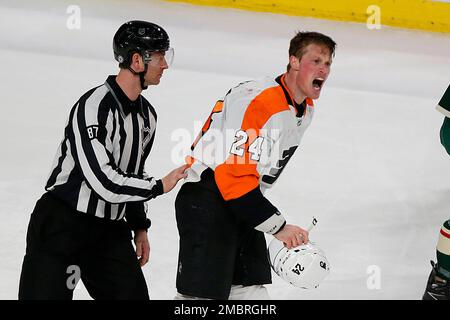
(250, 136)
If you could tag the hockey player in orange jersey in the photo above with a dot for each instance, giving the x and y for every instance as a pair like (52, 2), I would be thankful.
(222, 213)
(438, 284)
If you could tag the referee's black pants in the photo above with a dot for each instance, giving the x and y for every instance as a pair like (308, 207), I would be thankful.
(64, 246)
(216, 250)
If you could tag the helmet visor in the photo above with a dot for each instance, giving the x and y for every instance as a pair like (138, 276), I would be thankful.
(160, 58)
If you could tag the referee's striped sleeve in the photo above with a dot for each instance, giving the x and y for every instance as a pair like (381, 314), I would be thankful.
(96, 162)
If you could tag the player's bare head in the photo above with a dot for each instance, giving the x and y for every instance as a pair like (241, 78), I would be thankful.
(301, 40)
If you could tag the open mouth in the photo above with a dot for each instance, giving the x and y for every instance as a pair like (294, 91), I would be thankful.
(317, 83)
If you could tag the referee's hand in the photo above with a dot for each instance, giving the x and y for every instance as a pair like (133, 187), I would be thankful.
(170, 181)
(142, 246)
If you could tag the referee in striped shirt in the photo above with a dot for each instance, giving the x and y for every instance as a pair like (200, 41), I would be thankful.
(97, 188)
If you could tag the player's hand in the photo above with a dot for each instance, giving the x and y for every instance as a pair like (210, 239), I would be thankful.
(142, 246)
(170, 181)
(292, 236)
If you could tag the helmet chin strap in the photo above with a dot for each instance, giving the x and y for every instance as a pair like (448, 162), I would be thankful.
(141, 75)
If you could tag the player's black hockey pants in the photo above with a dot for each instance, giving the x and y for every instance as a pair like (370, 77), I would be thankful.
(216, 250)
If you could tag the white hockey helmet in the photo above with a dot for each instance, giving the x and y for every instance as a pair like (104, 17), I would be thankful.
(304, 266)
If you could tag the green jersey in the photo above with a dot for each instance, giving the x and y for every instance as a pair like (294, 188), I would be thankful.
(444, 108)
(444, 105)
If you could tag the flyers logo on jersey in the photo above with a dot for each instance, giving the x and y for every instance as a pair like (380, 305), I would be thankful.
(281, 164)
